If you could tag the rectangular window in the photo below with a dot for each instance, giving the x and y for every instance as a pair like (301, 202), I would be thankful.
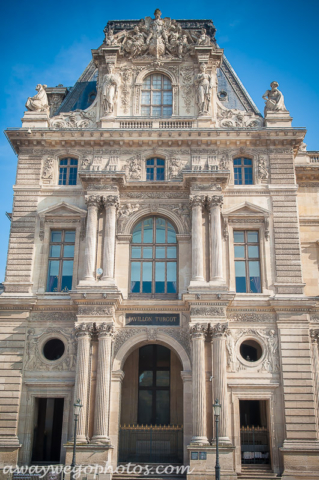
(247, 261)
(61, 258)
(243, 171)
(68, 171)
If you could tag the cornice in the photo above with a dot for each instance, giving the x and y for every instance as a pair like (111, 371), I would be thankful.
(277, 138)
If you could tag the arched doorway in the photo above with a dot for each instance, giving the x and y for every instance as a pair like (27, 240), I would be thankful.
(151, 422)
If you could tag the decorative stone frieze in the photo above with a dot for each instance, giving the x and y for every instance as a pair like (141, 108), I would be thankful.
(88, 310)
(207, 311)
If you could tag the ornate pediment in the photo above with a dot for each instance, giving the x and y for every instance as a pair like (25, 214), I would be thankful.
(62, 209)
(246, 209)
(62, 212)
(159, 37)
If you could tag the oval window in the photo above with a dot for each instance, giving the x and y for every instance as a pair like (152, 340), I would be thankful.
(53, 349)
(251, 351)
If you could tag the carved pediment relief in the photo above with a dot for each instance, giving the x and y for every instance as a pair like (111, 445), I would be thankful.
(62, 212)
(158, 37)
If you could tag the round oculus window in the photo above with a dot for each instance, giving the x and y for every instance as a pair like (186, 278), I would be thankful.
(250, 350)
(53, 349)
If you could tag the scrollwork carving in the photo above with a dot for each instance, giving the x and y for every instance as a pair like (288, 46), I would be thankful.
(215, 201)
(197, 200)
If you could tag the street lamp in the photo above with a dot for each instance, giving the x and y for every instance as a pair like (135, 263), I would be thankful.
(77, 409)
(217, 408)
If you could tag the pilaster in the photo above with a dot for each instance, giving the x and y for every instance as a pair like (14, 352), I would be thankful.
(198, 333)
(83, 333)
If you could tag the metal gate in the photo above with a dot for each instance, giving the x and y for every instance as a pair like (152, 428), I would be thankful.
(254, 445)
(151, 444)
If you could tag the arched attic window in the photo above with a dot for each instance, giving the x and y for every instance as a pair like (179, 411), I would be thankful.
(154, 257)
(157, 96)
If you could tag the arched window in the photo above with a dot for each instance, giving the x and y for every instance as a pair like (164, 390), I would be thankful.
(243, 171)
(155, 169)
(157, 96)
(154, 257)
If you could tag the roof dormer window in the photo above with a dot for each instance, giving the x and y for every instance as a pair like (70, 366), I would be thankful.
(157, 96)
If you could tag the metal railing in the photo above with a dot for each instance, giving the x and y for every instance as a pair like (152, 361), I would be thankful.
(254, 445)
(151, 443)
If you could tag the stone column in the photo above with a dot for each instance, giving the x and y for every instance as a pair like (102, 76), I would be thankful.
(198, 332)
(218, 344)
(83, 333)
(197, 202)
(111, 203)
(93, 203)
(103, 384)
(215, 203)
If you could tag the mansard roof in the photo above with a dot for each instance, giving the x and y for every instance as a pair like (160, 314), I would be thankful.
(81, 96)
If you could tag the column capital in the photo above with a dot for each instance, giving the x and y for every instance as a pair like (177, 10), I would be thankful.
(215, 201)
(83, 330)
(105, 330)
(314, 335)
(218, 329)
(110, 200)
(198, 330)
(197, 200)
(93, 200)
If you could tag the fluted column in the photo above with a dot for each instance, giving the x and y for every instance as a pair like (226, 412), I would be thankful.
(83, 333)
(218, 344)
(111, 203)
(197, 333)
(197, 202)
(215, 203)
(93, 203)
(103, 384)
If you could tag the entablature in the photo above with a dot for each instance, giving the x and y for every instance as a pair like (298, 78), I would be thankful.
(151, 137)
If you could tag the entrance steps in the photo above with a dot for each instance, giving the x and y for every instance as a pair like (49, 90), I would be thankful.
(257, 472)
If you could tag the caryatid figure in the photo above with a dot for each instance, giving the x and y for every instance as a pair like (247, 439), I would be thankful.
(110, 88)
(204, 85)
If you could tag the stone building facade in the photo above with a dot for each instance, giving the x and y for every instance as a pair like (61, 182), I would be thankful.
(163, 254)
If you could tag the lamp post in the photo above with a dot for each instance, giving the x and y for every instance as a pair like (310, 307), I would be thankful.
(217, 408)
(77, 409)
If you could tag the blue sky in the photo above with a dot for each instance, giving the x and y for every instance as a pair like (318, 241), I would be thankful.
(50, 42)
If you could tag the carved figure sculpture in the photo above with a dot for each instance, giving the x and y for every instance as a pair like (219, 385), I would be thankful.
(38, 103)
(174, 167)
(113, 40)
(124, 212)
(110, 88)
(274, 99)
(157, 37)
(135, 44)
(204, 84)
(203, 38)
(262, 168)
